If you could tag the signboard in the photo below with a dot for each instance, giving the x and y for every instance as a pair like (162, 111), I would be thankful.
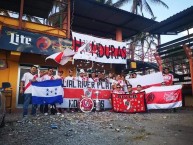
(98, 49)
(25, 41)
(129, 103)
(75, 90)
(72, 97)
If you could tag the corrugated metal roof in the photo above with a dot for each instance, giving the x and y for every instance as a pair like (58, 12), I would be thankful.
(174, 24)
(98, 19)
(39, 8)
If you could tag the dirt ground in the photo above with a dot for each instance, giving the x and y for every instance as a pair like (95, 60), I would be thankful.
(101, 128)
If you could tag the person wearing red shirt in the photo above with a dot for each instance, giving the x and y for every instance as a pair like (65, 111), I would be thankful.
(168, 77)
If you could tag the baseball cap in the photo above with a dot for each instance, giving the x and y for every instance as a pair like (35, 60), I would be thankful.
(82, 71)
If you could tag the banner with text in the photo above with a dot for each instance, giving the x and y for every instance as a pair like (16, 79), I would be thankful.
(30, 42)
(74, 90)
(164, 97)
(98, 49)
(129, 103)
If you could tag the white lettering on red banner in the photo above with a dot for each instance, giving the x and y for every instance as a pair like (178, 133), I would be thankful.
(75, 90)
(129, 103)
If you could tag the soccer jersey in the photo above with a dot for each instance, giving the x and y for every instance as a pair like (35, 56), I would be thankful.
(118, 91)
(57, 77)
(27, 78)
(168, 79)
(47, 77)
(93, 79)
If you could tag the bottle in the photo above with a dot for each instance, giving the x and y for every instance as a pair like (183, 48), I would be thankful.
(98, 105)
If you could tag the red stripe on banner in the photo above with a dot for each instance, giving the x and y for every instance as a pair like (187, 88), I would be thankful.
(129, 103)
(164, 97)
(102, 50)
(79, 92)
(59, 57)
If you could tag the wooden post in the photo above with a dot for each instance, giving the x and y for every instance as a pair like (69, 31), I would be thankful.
(159, 40)
(159, 61)
(189, 56)
(119, 34)
(21, 14)
(68, 23)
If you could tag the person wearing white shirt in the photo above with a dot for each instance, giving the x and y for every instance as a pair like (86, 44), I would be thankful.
(25, 89)
(81, 75)
(139, 89)
(48, 76)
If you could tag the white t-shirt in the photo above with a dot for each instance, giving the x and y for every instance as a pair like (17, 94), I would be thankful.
(47, 77)
(56, 77)
(69, 78)
(93, 80)
(79, 78)
(27, 78)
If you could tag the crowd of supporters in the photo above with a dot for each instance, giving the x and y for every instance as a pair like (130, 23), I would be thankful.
(120, 83)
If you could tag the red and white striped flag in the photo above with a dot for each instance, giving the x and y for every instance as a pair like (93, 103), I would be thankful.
(62, 57)
(164, 97)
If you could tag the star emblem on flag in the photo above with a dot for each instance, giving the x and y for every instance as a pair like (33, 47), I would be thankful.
(51, 91)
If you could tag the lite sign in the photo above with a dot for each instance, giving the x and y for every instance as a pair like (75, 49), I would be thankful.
(29, 42)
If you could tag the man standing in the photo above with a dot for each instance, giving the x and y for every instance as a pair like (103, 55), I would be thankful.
(48, 76)
(81, 75)
(25, 89)
(168, 77)
(59, 75)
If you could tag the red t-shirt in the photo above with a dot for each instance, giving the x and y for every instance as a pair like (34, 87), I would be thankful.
(168, 79)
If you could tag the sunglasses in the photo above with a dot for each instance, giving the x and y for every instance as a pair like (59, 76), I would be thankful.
(118, 87)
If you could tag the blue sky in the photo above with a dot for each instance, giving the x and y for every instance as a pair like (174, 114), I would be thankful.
(175, 6)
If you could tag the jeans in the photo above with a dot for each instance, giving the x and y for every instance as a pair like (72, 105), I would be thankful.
(44, 108)
(27, 99)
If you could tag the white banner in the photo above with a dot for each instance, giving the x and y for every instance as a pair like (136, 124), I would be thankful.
(97, 49)
(147, 80)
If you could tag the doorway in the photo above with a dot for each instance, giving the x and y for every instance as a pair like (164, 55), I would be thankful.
(23, 69)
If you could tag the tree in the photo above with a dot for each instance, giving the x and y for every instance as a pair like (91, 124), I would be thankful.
(142, 4)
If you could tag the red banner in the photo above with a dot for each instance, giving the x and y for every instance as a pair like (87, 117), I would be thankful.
(129, 103)
(79, 92)
(164, 97)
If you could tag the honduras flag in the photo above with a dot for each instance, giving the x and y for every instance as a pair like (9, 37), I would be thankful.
(47, 92)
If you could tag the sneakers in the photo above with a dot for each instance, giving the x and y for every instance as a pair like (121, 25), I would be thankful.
(58, 113)
(23, 120)
(46, 114)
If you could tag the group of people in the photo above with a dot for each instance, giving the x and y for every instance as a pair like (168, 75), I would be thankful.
(26, 90)
(120, 83)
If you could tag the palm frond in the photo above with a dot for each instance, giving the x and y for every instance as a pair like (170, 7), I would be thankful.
(148, 8)
(160, 2)
(120, 3)
(109, 2)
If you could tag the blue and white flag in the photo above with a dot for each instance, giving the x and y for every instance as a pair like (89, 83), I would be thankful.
(47, 92)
